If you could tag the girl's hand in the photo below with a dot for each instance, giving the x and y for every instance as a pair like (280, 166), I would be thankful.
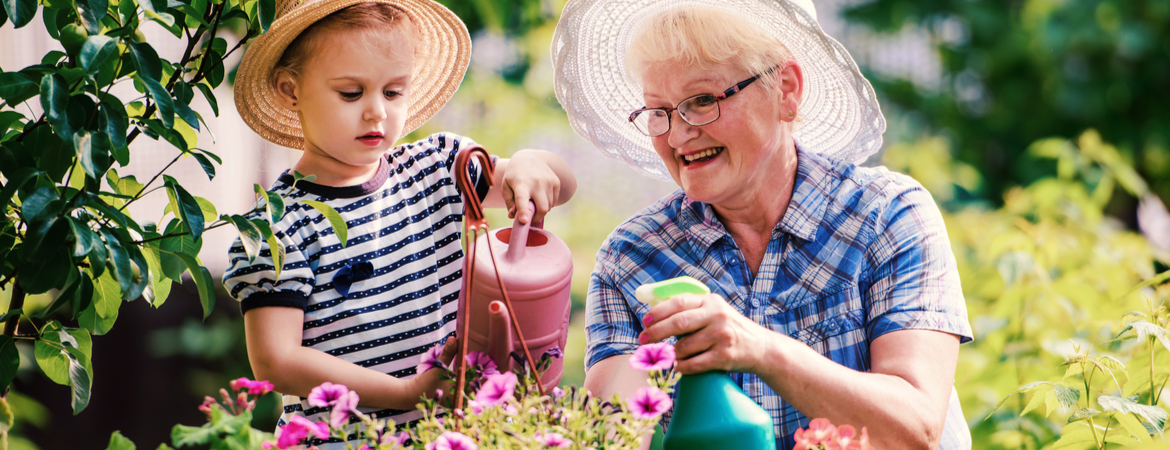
(425, 384)
(528, 177)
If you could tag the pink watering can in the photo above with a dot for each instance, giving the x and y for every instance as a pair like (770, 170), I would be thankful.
(515, 296)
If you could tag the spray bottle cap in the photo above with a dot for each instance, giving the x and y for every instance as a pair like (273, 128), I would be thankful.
(653, 293)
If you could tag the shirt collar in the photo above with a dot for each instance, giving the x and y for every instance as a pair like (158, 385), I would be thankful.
(805, 211)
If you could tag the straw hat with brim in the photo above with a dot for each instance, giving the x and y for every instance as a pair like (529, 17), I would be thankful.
(840, 111)
(446, 50)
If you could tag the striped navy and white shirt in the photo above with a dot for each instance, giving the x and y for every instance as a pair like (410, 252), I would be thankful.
(391, 293)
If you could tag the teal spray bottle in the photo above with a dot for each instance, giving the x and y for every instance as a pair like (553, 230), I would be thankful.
(710, 410)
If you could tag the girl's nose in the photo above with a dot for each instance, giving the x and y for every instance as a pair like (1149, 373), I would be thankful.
(680, 131)
(375, 112)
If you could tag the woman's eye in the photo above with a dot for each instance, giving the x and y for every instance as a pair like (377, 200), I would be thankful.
(351, 95)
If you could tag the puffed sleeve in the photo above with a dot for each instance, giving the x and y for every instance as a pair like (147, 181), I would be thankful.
(255, 283)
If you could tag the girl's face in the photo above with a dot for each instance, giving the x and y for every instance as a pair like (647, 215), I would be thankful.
(352, 99)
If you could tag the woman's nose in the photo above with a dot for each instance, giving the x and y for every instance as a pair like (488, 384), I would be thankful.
(680, 131)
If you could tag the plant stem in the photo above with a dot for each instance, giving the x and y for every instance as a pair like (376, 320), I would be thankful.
(1089, 402)
(1152, 370)
(159, 174)
(17, 302)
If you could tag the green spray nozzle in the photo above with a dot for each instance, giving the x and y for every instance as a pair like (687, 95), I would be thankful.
(653, 293)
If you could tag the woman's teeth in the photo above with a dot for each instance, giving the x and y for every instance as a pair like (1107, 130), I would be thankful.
(702, 155)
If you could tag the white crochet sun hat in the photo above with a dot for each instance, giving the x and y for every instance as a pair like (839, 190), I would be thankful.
(841, 116)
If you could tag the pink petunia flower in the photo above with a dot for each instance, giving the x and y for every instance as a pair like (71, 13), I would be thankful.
(481, 359)
(452, 440)
(844, 439)
(657, 356)
(497, 390)
(475, 407)
(649, 402)
(257, 387)
(557, 393)
(553, 440)
(430, 359)
(342, 409)
(820, 431)
(394, 440)
(326, 394)
(297, 429)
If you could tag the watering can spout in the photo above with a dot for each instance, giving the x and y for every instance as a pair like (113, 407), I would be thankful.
(499, 334)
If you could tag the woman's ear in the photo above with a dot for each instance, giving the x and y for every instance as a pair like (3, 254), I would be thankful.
(791, 88)
(286, 89)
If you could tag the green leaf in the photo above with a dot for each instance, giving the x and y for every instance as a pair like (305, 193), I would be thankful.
(208, 168)
(209, 96)
(107, 296)
(38, 277)
(160, 285)
(84, 237)
(63, 355)
(146, 60)
(1132, 426)
(334, 218)
(93, 153)
(250, 236)
(1067, 397)
(116, 124)
(162, 99)
(203, 281)
(20, 12)
(275, 248)
(55, 101)
(273, 203)
(97, 49)
(44, 238)
(267, 12)
(1151, 414)
(187, 114)
(91, 13)
(8, 118)
(41, 204)
(98, 258)
(187, 207)
(9, 362)
(183, 435)
(120, 259)
(1074, 434)
(80, 379)
(119, 442)
(16, 87)
(94, 323)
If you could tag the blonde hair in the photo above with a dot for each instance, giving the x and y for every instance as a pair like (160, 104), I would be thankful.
(373, 20)
(706, 37)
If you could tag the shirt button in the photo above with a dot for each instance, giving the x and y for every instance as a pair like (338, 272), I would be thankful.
(756, 302)
(733, 261)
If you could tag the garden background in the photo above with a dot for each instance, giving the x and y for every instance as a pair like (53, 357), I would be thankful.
(1038, 125)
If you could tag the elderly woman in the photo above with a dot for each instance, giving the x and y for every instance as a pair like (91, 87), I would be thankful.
(834, 289)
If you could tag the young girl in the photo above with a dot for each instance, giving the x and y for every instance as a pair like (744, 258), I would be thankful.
(343, 80)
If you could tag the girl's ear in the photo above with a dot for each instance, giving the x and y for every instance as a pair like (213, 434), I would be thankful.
(286, 89)
(791, 89)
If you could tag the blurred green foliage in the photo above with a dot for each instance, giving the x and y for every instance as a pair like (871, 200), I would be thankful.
(1042, 274)
(1014, 72)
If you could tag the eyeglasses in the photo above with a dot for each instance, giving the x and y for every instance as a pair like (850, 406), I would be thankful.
(699, 110)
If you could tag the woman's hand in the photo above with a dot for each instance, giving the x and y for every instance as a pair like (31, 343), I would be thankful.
(712, 334)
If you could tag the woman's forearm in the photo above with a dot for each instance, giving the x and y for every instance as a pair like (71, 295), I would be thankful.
(897, 413)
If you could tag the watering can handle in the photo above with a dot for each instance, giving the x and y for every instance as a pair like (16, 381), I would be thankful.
(519, 240)
(472, 205)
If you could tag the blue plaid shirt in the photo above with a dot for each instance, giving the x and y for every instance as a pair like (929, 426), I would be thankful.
(860, 252)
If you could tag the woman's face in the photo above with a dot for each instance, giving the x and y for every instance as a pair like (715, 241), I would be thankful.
(732, 158)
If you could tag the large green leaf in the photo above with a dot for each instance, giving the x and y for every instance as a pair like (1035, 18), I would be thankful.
(107, 296)
(64, 355)
(116, 124)
(267, 11)
(75, 288)
(273, 203)
(203, 281)
(16, 87)
(1151, 414)
(162, 100)
(9, 361)
(120, 259)
(20, 12)
(41, 204)
(91, 13)
(210, 96)
(250, 236)
(146, 59)
(160, 285)
(55, 102)
(183, 435)
(275, 248)
(186, 114)
(94, 323)
(93, 152)
(205, 163)
(39, 276)
(187, 207)
(339, 226)
(84, 239)
(97, 49)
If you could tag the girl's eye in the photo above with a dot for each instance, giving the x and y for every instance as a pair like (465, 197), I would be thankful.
(392, 94)
(351, 95)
